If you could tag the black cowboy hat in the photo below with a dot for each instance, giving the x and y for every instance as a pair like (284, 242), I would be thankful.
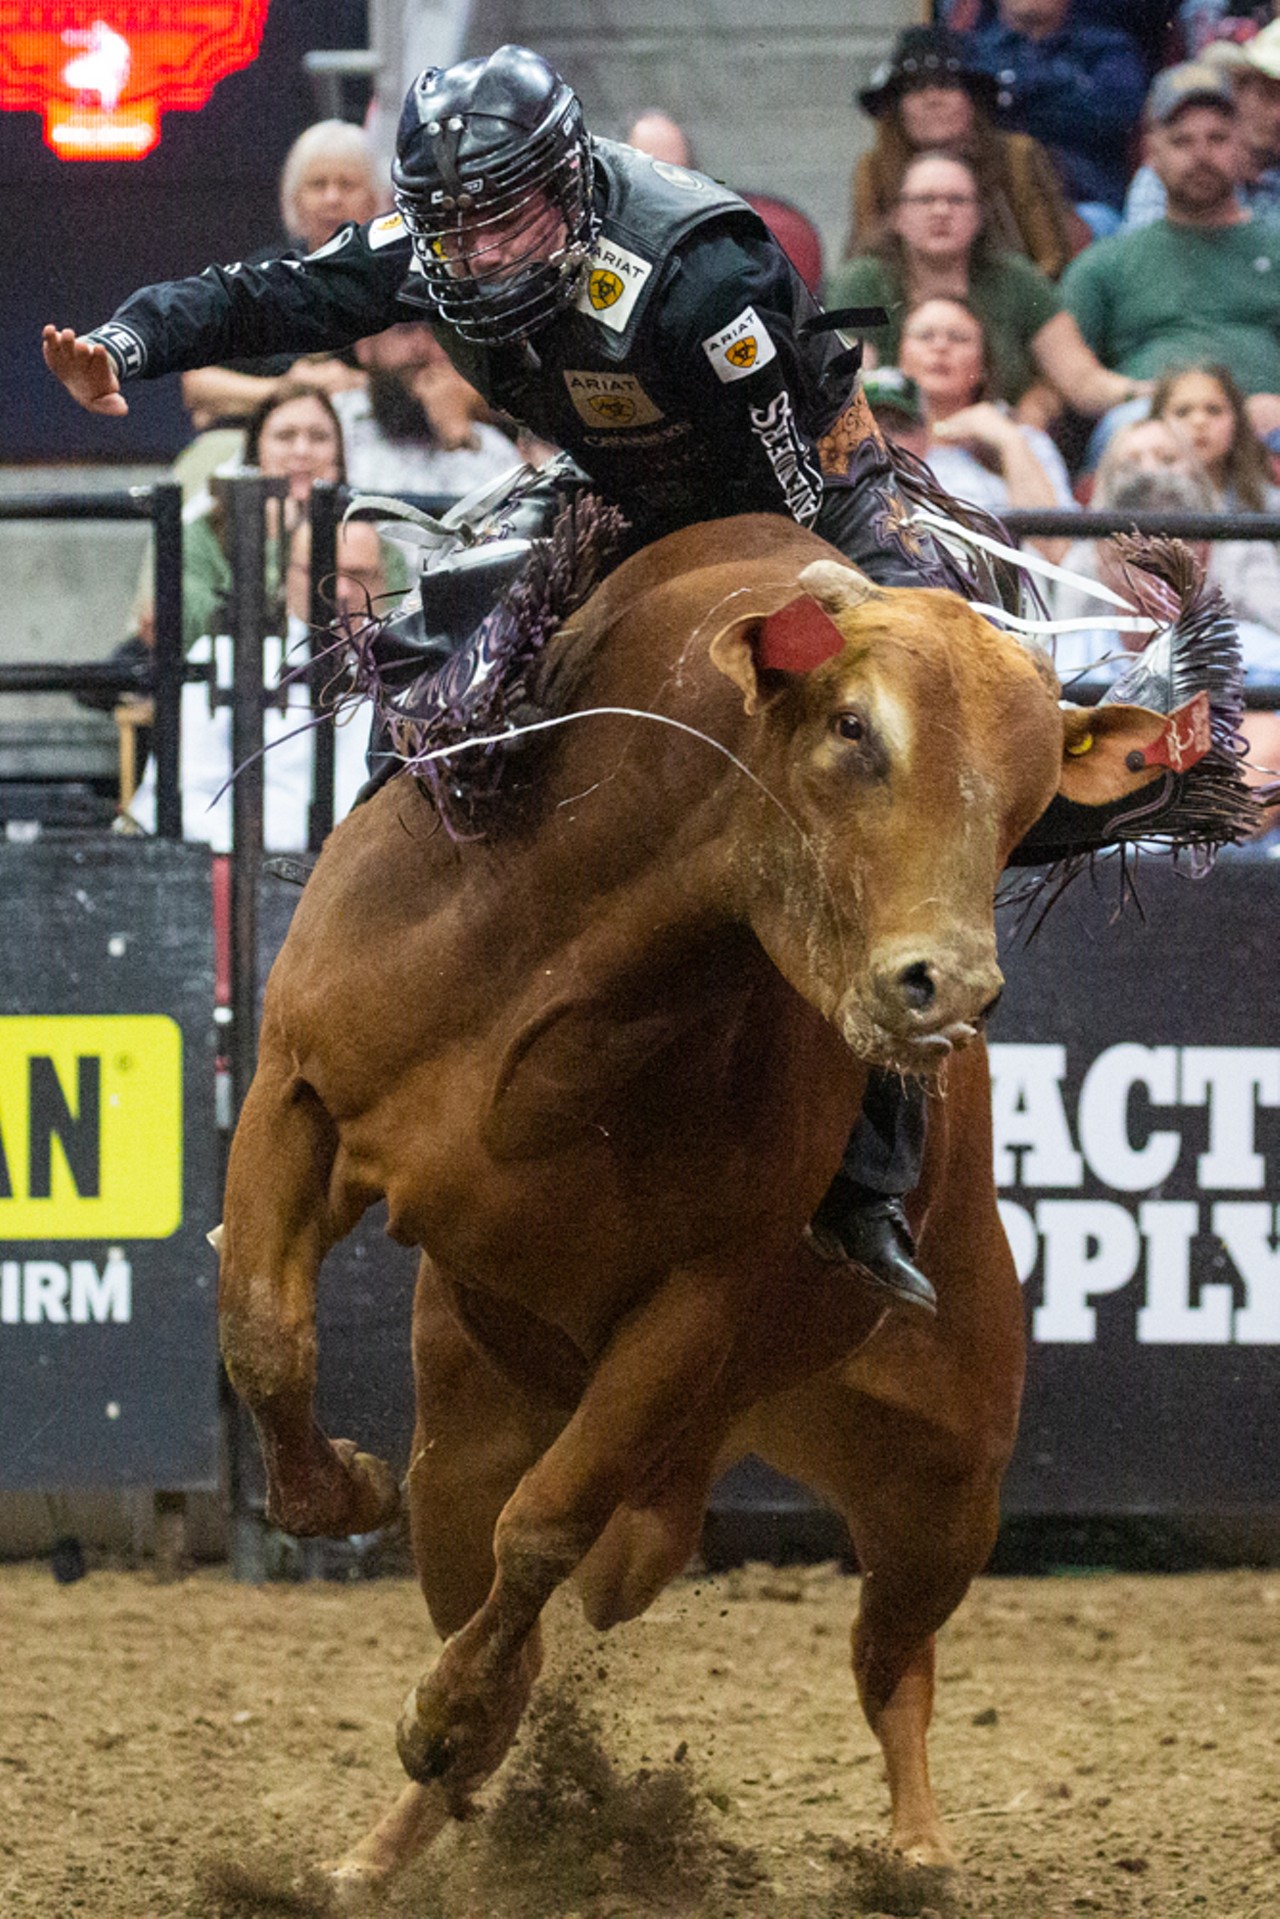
(924, 57)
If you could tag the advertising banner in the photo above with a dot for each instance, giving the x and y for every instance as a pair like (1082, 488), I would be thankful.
(1136, 1101)
(108, 1167)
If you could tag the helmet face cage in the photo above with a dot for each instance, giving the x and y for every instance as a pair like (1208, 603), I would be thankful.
(502, 239)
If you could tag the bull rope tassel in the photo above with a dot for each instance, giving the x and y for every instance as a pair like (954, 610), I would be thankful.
(1128, 621)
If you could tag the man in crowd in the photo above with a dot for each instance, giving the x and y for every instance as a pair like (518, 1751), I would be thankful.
(1254, 73)
(1078, 89)
(1203, 283)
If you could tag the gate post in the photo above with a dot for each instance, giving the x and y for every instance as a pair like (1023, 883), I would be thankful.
(243, 496)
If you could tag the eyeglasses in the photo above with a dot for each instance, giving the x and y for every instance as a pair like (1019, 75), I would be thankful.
(937, 200)
(940, 336)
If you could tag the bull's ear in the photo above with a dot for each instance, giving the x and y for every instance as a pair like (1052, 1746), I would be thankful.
(758, 652)
(1110, 751)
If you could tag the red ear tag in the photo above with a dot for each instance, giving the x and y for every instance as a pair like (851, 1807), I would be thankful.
(798, 637)
(1183, 740)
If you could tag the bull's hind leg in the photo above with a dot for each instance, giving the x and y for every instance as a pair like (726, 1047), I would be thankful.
(920, 1538)
(278, 1225)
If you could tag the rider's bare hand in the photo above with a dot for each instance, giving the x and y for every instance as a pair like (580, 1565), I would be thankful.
(85, 370)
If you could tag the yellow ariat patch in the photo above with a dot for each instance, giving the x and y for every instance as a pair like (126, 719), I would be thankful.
(604, 289)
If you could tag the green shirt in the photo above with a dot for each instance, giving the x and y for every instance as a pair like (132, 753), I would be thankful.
(1167, 296)
(1011, 297)
(206, 579)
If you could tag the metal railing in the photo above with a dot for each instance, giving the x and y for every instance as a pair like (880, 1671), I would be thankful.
(161, 504)
(1262, 690)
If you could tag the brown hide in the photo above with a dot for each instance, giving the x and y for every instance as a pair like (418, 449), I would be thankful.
(603, 1066)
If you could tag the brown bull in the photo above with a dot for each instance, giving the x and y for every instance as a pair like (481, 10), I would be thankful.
(602, 1066)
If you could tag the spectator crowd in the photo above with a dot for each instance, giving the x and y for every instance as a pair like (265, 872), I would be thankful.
(1069, 211)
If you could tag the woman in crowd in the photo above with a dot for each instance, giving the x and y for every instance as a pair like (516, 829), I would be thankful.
(293, 435)
(328, 179)
(929, 96)
(937, 244)
(975, 448)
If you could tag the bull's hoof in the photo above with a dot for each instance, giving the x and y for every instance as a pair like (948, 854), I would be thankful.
(351, 1887)
(456, 1727)
(344, 1491)
(375, 1488)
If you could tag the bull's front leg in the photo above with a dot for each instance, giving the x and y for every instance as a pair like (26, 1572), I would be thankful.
(459, 1721)
(278, 1225)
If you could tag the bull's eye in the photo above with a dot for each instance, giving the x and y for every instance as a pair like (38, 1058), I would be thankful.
(851, 726)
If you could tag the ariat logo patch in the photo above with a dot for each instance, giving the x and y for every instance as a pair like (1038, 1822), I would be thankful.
(613, 285)
(604, 289)
(384, 231)
(741, 347)
(677, 177)
(610, 399)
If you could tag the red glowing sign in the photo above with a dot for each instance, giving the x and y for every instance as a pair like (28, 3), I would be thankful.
(103, 71)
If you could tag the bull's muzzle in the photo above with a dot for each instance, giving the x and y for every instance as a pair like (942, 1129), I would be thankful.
(923, 1003)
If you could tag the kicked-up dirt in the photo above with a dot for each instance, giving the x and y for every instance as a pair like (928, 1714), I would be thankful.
(1105, 1745)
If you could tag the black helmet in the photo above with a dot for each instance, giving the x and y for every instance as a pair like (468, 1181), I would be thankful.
(493, 178)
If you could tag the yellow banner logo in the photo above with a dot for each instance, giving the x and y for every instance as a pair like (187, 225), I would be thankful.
(604, 289)
(90, 1127)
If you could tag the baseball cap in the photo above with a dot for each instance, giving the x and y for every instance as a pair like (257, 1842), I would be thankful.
(1262, 53)
(1193, 83)
(891, 388)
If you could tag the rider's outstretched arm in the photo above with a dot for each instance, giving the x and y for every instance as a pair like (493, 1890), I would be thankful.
(348, 288)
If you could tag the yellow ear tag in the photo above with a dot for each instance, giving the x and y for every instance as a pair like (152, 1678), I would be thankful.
(1083, 745)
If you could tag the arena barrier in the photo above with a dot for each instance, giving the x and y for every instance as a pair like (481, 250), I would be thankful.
(1135, 1141)
(108, 1150)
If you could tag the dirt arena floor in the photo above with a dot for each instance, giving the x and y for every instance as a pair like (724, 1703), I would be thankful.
(1105, 1745)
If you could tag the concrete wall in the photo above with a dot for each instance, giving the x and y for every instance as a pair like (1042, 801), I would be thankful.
(765, 90)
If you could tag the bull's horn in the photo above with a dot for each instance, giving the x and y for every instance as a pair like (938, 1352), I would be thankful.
(834, 585)
(214, 1237)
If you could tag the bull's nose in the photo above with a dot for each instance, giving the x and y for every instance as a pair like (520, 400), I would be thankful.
(917, 986)
(927, 992)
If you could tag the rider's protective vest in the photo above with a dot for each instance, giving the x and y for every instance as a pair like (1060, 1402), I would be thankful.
(680, 379)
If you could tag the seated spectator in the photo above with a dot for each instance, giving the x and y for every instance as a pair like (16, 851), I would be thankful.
(897, 407)
(295, 434)
(289, 739)
(930, 96)
(1201, 284)
(976, 450)
(1205, 405)
(1148, 21)
(1248, 571)
(937, 244)
(1206, 23)
(1078, 89)
(1252, 75)
(417, 426)
(328, 178)
(663, 138)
